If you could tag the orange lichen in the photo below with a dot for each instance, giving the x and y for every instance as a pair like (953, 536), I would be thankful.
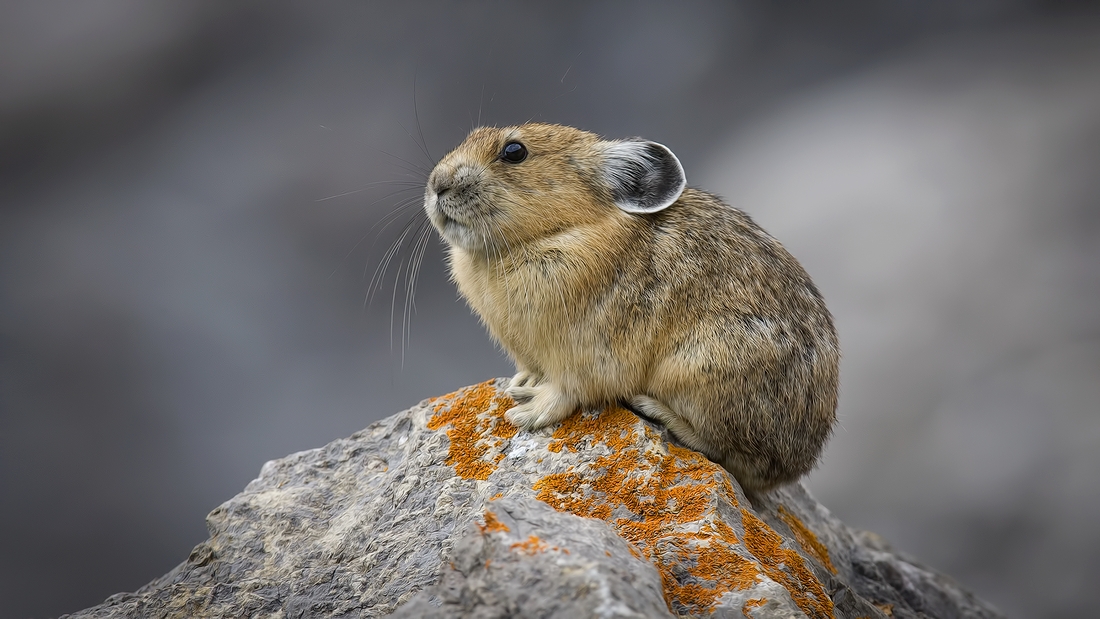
(613, 427)
(492, 525)
(656, 501)
(663, 503)
(474, 431)
(531, 546)
(887, 609)
(751, 604)
(806, 539)
(786, 567)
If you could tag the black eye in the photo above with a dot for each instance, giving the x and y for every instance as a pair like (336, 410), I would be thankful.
(513, 152)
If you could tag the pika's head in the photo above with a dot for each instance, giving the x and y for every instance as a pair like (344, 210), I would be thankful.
(503, 187)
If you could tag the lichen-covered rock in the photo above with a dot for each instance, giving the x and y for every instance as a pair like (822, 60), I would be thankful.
(446, 510)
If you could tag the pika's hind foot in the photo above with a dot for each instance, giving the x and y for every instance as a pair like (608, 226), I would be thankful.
(660, 412)
(538, 404)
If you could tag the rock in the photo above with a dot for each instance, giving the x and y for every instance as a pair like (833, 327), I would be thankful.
(446, 510)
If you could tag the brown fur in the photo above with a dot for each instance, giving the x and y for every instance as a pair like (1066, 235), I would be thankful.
(693, 314)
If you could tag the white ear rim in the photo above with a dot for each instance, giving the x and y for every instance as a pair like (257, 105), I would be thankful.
(623, 160)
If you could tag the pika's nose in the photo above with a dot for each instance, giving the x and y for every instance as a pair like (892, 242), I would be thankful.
(441, 183)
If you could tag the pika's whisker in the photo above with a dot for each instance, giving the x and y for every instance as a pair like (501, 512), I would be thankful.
(380, 271)
(416, 114)
(412, 186)
(413, 168)
(419, 247)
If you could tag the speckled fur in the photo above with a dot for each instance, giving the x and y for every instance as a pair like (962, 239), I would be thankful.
(693, 315)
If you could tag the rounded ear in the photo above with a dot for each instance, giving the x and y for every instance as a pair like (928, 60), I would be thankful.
(645, 177)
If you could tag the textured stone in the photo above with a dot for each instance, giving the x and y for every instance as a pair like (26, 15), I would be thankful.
(446, 510)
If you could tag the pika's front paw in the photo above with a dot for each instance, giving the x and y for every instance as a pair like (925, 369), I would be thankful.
(523, 378)
(538, 406)
(521, 393)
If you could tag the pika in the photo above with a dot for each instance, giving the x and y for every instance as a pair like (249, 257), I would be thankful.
(607, 280)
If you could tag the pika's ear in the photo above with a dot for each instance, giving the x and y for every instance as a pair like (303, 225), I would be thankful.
(645, 177)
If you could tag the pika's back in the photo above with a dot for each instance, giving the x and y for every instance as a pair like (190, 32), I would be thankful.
(740, 267)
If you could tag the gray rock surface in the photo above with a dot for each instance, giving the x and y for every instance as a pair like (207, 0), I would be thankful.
(446, 510)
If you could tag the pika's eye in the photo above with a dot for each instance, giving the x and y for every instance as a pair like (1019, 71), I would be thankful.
(513, 152)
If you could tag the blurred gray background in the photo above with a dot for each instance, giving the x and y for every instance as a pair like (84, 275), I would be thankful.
(190, 198)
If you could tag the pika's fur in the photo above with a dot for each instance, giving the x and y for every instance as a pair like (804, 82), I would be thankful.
(606, 280)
